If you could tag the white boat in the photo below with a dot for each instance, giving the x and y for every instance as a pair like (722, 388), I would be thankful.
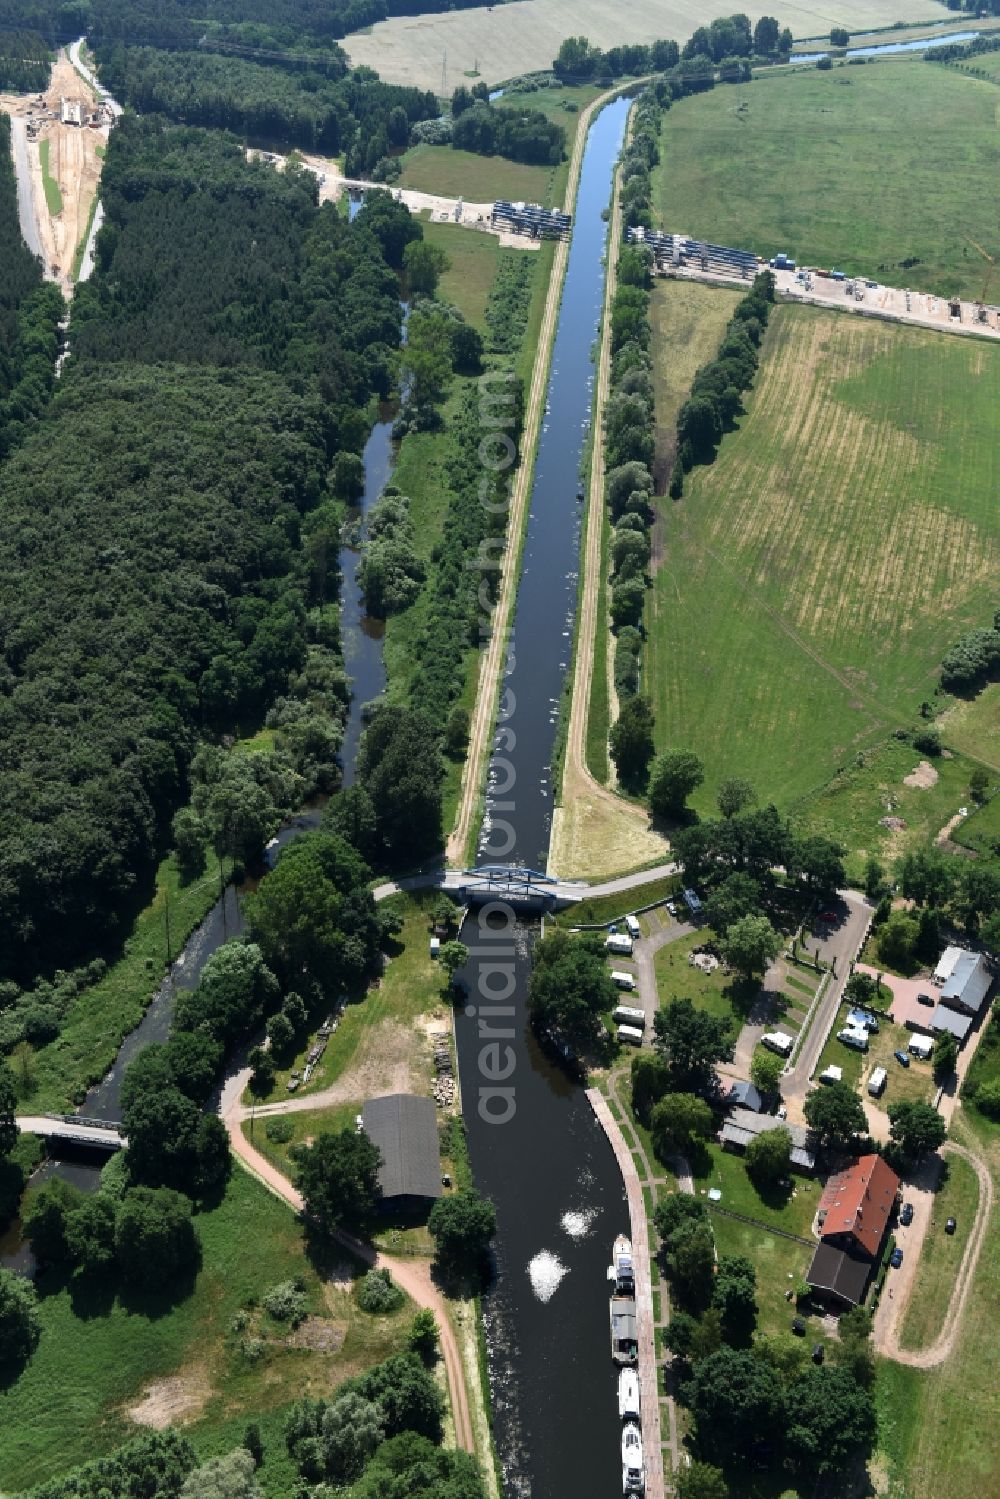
(623, 1267)
(628, 1395)
(633, 1473)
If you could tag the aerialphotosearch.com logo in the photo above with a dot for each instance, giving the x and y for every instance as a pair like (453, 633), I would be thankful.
(494, 953)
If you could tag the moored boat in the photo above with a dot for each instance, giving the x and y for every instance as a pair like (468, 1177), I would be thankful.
(628, 1395)
(624, 1330)
(633, 1473)
(623, 1267)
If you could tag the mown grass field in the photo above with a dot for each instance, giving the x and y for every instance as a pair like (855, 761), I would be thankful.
(53, 195)
(688, 321)
(812, 578)
(98, 1355)
(875, 169)
(973, 725)
(498, 41)
(473, 264)
(937, 1429)
(941, 1255)
(477, 179)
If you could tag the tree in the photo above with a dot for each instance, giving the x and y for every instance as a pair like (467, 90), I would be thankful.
(979, 785)
(765, 36)
(570, 988)
(90, 1235)
(171, 1143)
(736, 1400)
(916, 1128)
(253, 1444)
(765, 1070)
(43, 1219)
(399, 765)
(677, 1121)
(263, 1071)
(630, 742)
(155, 1239)
(701, 1480)
(8, 1108)
(734, 795)
(424, 265)
(452, 957)
(352, 1429)
(314, 915)
(338, 1177)
(675, 1210)
(691, 1042)
(819, 862)
(231, 1477)
(737, 896)
(20, 1325)
(897, 941)
(735, 1298)
(768, 1157)
(699, 428)
(391, 223)
(347, 476)
(835, 1114)
(862, 989)
(750, 944)
(407, 1394)
(650, 1081)
(236, 990)
(281, 1035)
(462, 1226)
(874, 878)
(190, 837)
(839, 37)
(928, 876)
(830, 1421)
(673, 778)
(690, 1262)
(422, 1338)
(854, 1351)
(351, 815)
(945, 1056)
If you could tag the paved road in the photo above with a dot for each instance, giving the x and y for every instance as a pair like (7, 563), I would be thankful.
(840, 942)
(648, 1374)
(86, 1134)
(645, 955)
(25, 197)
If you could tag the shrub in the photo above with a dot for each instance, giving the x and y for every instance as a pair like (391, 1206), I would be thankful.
(278, 1131)
(286, 1302)
(379, 1293)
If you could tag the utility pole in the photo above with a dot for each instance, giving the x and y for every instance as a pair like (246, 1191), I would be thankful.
(444, 75)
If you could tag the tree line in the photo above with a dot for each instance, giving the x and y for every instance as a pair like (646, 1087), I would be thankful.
(520, 134)
(356, 115)
(30, 311)
(725, 48)
(973, 660)
(24, 61)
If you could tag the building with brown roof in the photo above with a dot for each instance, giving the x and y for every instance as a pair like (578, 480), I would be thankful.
(854, 1213)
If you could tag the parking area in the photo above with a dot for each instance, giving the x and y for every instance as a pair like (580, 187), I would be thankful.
(906, 1008)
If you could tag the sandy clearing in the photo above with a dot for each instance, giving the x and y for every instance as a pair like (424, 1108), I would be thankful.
(73, 163)
(923, 776)
(177, 1398)
(494, 42)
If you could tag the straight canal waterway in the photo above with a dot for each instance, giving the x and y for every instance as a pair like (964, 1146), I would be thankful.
(535, 1145)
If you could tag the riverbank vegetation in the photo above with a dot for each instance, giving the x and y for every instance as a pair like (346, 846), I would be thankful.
(791, 169)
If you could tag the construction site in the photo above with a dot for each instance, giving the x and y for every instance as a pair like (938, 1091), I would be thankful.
(58, 141)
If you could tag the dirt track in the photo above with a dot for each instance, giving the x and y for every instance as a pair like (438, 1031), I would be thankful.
(891, 1311)
(413, 1276)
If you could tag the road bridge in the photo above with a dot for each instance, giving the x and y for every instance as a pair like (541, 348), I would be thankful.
(73, 1129)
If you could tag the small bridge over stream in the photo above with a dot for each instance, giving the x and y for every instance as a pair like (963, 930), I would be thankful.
(74, 1129)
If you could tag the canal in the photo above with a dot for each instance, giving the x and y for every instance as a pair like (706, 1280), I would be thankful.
(535, 1145)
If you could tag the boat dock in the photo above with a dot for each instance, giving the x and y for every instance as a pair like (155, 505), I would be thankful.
(652, 1445)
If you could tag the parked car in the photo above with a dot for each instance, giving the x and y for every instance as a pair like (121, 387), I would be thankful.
(896, 1258)
(672, 907)
(906, 1216)
(902, 1058)
(817, 1353)
(799, 1327)
(950, 1226)
(926, 999)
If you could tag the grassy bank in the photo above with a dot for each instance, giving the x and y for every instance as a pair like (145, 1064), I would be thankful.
(855, 167)
(102, 1016)
(99, 1356)
(477, 179)
(941, 1255)
(814, 575)
(53, 196)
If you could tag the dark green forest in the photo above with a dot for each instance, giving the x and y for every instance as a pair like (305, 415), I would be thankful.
(320, 111)
(168, 546)
(29, 313)
(24, 61)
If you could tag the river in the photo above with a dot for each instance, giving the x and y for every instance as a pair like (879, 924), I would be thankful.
(891, 49)
(548, 1168)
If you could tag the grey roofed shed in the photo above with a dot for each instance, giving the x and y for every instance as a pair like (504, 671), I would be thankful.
(743, 1125)
(839, 1274)
(953, 1021)
(404, 1127)
(746, 1095)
